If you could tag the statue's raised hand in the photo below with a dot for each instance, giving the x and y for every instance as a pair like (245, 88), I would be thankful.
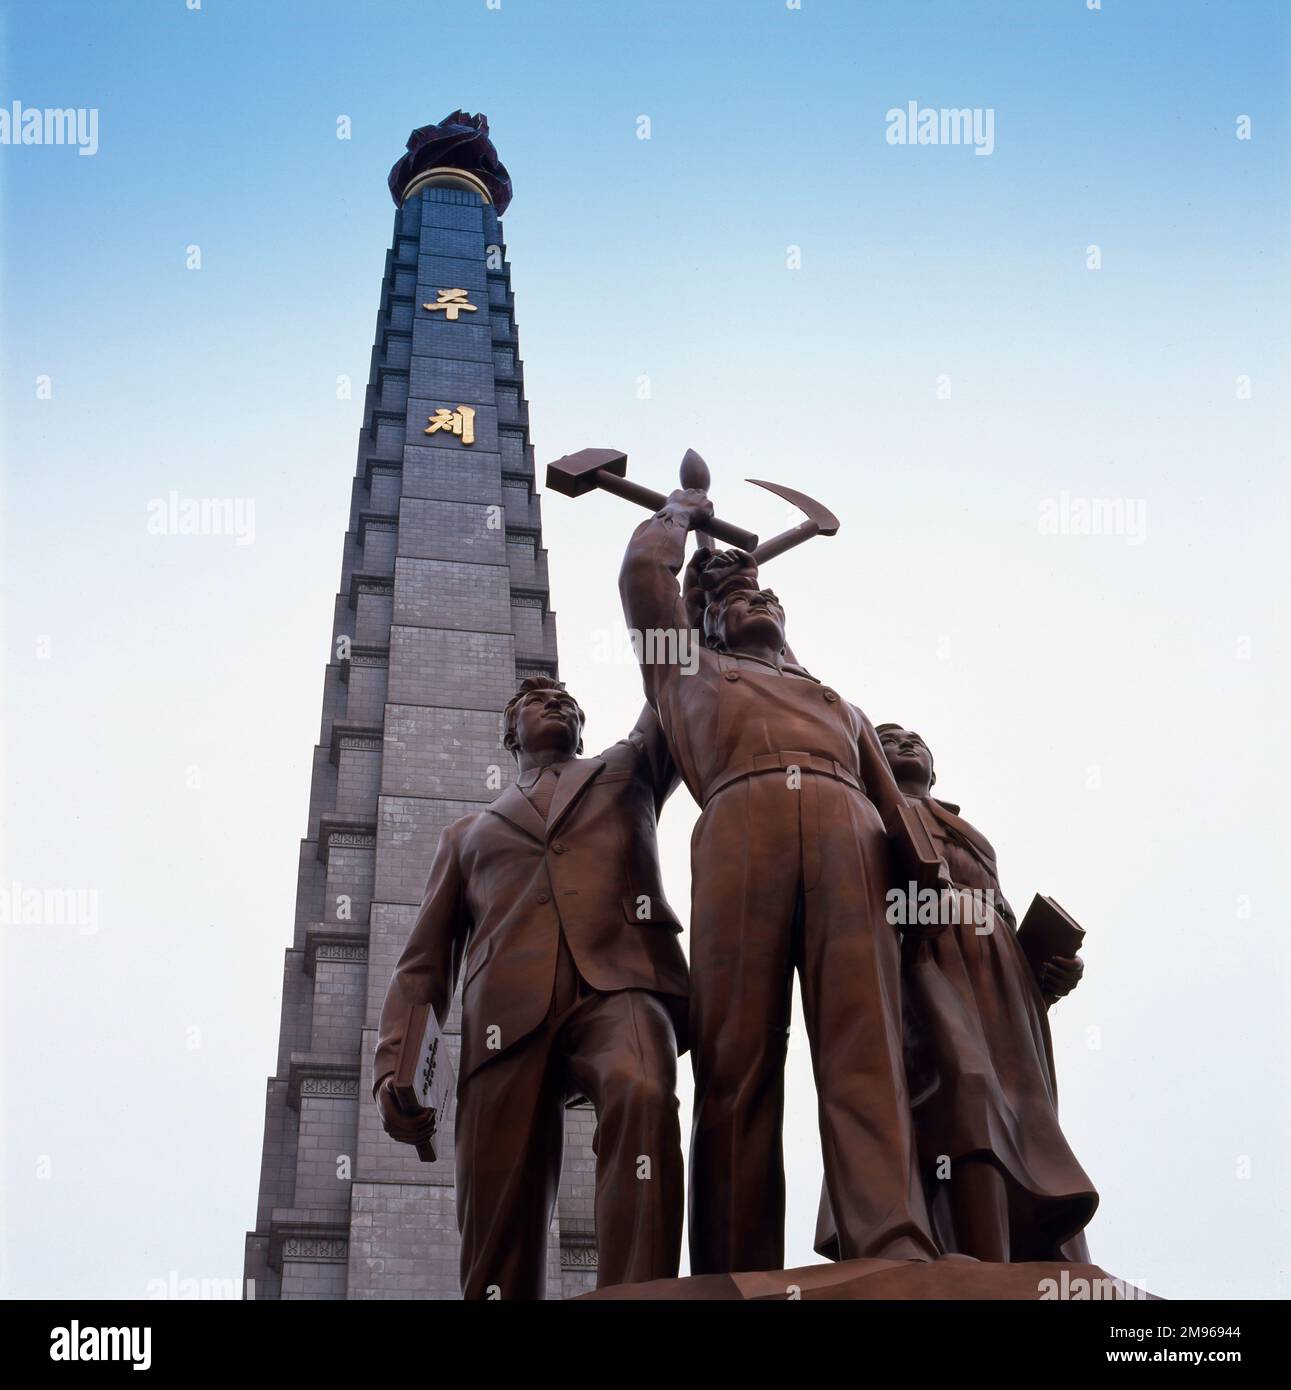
(689, 507)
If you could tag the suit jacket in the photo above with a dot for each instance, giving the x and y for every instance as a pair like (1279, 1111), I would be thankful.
(503, 885)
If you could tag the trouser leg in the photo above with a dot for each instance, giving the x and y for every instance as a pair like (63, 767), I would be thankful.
(622, 1054)
(744, 879)
(851, 992)
(980, 1206)
(509, 1142)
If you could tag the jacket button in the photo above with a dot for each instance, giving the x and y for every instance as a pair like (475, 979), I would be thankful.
(544, 897)
(732, 675)
(558, 849)
(830, 696)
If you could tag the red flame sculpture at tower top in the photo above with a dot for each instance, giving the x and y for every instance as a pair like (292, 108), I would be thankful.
(459, 141)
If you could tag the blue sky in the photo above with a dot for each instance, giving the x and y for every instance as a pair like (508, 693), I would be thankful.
(1025, 659)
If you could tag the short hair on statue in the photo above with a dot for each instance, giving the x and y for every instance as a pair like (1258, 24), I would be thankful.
(531, 685)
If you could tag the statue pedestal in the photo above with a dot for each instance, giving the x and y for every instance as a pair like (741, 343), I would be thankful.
(952, 1277)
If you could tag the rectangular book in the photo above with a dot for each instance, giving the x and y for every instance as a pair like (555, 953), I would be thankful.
(1047, 931)
(423, 1078)
(917, 853)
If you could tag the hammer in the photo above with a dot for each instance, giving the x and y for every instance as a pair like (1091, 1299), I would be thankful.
(575, 474)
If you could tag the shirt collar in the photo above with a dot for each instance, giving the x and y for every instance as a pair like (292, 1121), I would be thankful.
(526, 779)
(780, 666)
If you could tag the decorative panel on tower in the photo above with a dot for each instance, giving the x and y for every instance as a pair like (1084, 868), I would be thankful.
(443, 607)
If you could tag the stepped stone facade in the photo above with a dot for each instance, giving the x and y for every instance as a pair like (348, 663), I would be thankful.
(443, 606)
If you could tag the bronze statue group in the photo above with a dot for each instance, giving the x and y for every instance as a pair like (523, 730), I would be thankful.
(929, 1040)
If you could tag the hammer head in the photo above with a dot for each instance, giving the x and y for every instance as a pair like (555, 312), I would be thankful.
(575, 474)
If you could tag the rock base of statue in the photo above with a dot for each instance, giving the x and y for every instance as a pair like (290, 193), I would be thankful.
(952, 1277)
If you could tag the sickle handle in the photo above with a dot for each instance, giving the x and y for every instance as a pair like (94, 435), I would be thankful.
(777, 545)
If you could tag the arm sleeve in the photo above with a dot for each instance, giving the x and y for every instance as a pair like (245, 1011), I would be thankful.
(427, 970)
(920, 858)
(880, 785)
(650, 592)
(647, 738)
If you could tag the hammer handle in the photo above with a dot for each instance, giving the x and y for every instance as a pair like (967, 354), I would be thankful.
(652, 501)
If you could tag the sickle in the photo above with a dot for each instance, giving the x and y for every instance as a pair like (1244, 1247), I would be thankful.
(820, 521)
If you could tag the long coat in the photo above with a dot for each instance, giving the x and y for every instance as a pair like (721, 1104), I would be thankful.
(980, 1061)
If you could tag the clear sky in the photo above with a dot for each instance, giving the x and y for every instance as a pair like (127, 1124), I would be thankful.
(1095, 311)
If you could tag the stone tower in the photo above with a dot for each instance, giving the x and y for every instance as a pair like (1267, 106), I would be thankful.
(443, 606)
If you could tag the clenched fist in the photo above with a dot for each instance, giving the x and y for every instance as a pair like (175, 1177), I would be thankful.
(689, 507)
(1059, 975)
(408, 1127)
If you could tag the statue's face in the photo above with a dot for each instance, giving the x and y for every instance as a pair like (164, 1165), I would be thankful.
(750, 618)
(548, 721)
(908, 757)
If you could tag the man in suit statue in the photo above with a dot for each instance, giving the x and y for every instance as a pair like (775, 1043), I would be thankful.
(790, 865)
(548, 906)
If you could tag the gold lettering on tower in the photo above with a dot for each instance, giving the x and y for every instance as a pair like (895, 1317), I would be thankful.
(452, 302)
(460, 422)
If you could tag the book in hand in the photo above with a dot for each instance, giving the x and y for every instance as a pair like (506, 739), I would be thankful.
(423, 1078)
(918, 854)
(1047, 931)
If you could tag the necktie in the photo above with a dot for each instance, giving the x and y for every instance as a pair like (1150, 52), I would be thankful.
(542, 791)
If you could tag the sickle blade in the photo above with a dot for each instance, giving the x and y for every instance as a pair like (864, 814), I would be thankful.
(813, 510)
